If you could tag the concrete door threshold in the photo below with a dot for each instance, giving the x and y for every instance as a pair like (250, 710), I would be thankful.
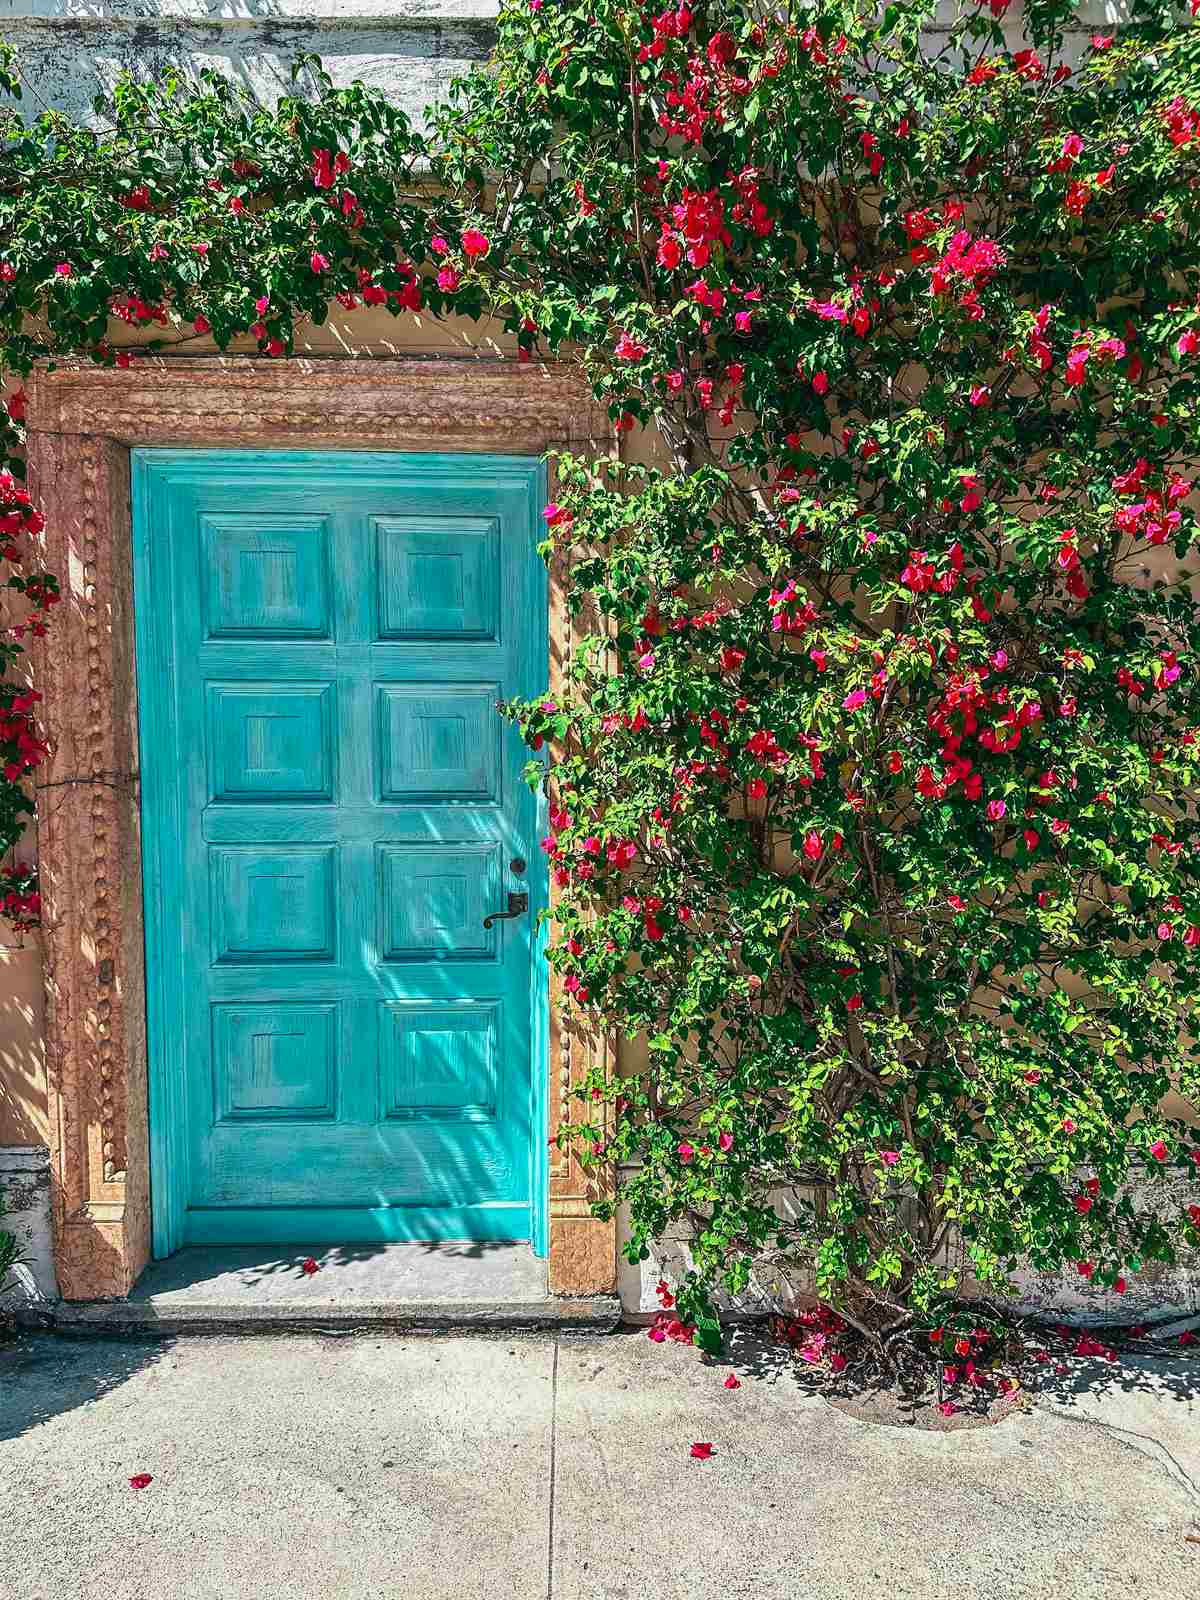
(413, 1287)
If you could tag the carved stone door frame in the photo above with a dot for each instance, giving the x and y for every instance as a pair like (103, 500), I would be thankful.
(82, 422)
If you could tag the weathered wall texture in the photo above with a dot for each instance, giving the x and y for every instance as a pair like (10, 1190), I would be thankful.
(72, 50)
(25, 1191)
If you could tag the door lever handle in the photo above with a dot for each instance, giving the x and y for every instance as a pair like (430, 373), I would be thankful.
(518, 905)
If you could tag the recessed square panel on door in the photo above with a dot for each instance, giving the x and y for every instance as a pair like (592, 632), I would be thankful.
(266, 577)
(273, 903)
(438, 1063)
(271, 741)
(438, 577)
(438, 742)
(433, 899)
(274, 1062)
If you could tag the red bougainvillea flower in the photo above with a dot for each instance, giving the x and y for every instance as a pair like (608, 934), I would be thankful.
(1159, 1150)
(733, 1383)
(948, 1408)
(140, 1480)
(308, 1266)
(475, 243)
(702, 1452)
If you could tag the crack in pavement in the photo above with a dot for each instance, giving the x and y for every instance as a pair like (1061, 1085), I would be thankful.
(553, 1464)
(1145, 1445)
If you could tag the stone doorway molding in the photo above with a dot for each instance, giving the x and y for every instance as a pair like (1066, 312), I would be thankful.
(82, 422)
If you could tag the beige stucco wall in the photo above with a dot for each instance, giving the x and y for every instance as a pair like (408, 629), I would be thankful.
(22, 1066)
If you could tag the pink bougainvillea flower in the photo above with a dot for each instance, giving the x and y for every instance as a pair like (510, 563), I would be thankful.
(140, 1480)
(475, 243)
(308, 1266)
(628, 348)
(725, 1142)
(684, 1151)
(1159, 1150)
(890, 1158)
(702, 1452)
(948, 1408)
(733, 1383)
(1068, 1126)
(318, 262)
(63, 269)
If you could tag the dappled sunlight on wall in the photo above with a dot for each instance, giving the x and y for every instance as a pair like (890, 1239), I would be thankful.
(22, 1064)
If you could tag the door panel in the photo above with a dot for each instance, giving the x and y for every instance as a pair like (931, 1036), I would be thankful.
(331, 805)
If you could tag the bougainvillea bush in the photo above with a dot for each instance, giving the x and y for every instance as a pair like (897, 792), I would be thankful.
(872, 790)
(873, 803)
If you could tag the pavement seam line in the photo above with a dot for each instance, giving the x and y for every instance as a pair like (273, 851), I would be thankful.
(553, 1471)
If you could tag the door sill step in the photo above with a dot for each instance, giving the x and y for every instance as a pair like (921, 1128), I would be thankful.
(433, 1288)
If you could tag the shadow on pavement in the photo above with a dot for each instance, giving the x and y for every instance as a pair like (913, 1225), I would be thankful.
(43, 1375)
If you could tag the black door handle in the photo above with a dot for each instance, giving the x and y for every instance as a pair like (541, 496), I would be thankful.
(518, 905)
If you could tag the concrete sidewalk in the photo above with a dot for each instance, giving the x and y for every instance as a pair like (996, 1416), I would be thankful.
(559, 1468)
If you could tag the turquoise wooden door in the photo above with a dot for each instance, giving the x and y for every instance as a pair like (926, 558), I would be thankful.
(340, 1045)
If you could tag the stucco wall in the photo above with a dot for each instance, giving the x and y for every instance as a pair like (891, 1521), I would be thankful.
(72, 50)
(25, 1191)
